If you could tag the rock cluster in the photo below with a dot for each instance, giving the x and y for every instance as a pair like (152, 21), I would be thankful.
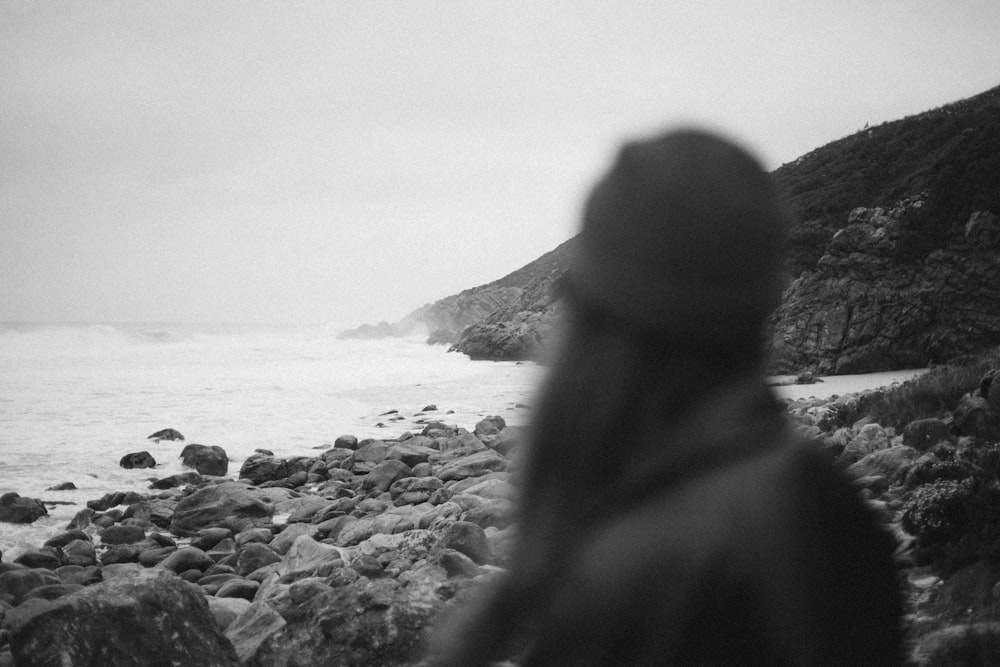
(346, 557)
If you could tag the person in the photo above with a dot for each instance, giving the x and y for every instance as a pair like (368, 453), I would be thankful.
(669, 513)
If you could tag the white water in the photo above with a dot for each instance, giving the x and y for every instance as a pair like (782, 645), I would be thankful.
(74, 399)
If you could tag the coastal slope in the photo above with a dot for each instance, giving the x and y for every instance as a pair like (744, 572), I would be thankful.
(890, 261)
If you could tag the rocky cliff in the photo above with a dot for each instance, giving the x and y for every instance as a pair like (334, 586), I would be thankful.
(867, 307)
(892, 258)
(509, 318)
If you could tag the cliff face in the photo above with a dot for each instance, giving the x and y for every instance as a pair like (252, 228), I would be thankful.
(509, 318)
(868, 307)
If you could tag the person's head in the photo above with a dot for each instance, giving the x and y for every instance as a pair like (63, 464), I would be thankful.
(676, 270)
(682, 242)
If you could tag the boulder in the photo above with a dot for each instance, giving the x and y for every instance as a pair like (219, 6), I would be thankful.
(229, 504)
(467, 538)
(15, 509)
(252, 628)
(166, 434)
(206, 459)
(226, 610)
(62, 486)
(137, 460)
(870, 438)
(489, 428)
(157, 511)
(306, 555)
(367, 622)
(149, 618)
(473, 465)
(121, 534)
(346, 442)
(254, 556)
(283, 541)
(384, 474)
(366, 457)
(414, 490)
(19, 582)
(922, 434)
(186, 558)
(48, 558)
(412, 452)
(261, 468)
(892, 463)
(180, 479)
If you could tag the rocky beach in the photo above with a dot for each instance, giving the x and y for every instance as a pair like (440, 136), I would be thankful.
(349, 556)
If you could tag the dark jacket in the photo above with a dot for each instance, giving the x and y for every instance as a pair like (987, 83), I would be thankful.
(737, 544)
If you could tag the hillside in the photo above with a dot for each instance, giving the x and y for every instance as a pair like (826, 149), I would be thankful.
(891, 256)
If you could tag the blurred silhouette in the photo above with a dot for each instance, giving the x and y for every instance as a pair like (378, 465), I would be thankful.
(669, 514)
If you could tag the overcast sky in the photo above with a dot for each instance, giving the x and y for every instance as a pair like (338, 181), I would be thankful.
(346, 162)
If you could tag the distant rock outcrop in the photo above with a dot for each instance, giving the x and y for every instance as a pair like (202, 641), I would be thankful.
(876, 302)
(509, 318)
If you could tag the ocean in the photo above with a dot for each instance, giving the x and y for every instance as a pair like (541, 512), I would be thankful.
(75, 398)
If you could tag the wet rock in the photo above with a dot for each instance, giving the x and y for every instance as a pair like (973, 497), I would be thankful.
(209, 537)
(381, 477)
(254, 556)
(15, 509)
(238, 588)
(346, 442)
(303, 509)
(120, 534)
(80, 552)
(473, 465)
(467, 538)
(283, 541)
(226, 610)
(229, 504)
(414, 490)
(306, 555)
(180, 479)
(18, 583)
(252, 628)
(155, 511)
(206, 459)
(137, 460)
(187, 558)
(151, 618)
(412, 452)
(261, 468)
(62, 539)
(63, 486)
(52, 591)
(165, 434)
(368, 622)
(48, 558)
(489, 428)
(366, 457)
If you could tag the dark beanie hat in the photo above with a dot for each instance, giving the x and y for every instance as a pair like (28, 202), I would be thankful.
(683, 238)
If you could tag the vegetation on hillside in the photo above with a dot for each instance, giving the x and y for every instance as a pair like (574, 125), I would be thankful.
(931, 394)
(952, 153)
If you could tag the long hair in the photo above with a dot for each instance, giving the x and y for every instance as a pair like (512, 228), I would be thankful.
(610, 395)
